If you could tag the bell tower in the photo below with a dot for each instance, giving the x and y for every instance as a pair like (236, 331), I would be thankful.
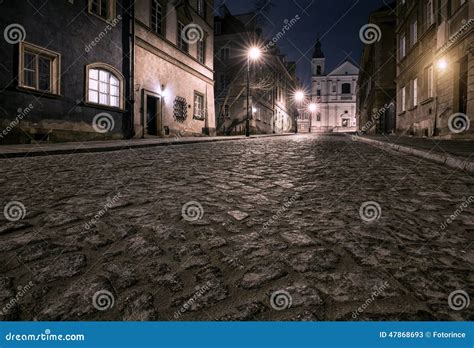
(318, 63)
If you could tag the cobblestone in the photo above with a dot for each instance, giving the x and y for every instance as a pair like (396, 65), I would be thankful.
(306, 190)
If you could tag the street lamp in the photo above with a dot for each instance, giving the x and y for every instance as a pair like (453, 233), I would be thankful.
(442, 64)
(312, 107)
(299, 96)
(254, 53)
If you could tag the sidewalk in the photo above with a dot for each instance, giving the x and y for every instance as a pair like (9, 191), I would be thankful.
(46, 149)
(457, 154)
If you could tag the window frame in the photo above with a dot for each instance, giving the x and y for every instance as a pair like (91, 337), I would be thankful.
(203, 98)
(403, 46)
(403, 99)
(346, 84)
(163, 17)
(430, 81)
(55, 68)
(415, 92)
(182, 45)
(111, 70)
(201, 50)
(111, 10)
(414, 32)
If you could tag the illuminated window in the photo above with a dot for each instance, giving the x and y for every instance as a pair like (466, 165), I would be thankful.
(104, 86)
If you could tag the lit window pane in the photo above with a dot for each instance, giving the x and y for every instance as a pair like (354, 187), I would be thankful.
(94, 74)
(103, 76)
(114, 101)
(103, 99)
(114, 81)
(102, 87)
(93, 97)
(114, 91)
(94, 85)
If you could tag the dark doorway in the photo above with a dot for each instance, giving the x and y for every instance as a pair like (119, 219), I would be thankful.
(462, 102)
(152, 115)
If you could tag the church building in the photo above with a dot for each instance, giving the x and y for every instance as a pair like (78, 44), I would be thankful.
(334, 94)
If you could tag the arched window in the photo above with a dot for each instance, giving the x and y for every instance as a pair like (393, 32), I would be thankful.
(104, 85)
(318, 70)
(346, 88)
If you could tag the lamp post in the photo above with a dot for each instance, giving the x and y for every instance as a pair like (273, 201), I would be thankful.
(312, 107)
(254, 54)
(299, 98)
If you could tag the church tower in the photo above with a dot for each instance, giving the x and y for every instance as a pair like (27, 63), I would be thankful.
(318, 63)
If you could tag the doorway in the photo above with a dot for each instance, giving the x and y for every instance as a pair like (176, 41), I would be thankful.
(153, 115)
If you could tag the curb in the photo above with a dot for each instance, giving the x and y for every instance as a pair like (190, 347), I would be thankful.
(84, 148)
(449, 161)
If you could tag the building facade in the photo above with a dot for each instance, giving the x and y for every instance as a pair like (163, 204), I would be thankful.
(108, 69)
(334, 94)
(434, 68)
(65, 79)
(174, 82)
(272, 79)
(376, 95)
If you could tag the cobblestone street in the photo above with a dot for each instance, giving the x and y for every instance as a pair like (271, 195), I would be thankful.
(259, 229)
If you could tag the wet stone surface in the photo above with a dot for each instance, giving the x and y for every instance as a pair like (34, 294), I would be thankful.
(273, 216)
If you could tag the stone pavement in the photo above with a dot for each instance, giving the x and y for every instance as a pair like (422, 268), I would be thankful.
(452, 153)
(45, 149)
(460, 148)
(301, 227)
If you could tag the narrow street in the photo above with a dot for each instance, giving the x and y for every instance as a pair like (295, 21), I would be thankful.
(212, 231)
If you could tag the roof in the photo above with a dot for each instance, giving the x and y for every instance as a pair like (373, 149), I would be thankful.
(346, 68)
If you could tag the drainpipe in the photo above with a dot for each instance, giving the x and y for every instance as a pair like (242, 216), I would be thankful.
(132, 70)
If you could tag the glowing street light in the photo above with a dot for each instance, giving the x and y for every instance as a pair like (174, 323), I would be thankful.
(299, 96)
(313, 107)
(254, 53)
(442, 64)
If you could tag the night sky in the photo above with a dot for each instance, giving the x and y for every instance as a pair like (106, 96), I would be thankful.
(336, 21)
